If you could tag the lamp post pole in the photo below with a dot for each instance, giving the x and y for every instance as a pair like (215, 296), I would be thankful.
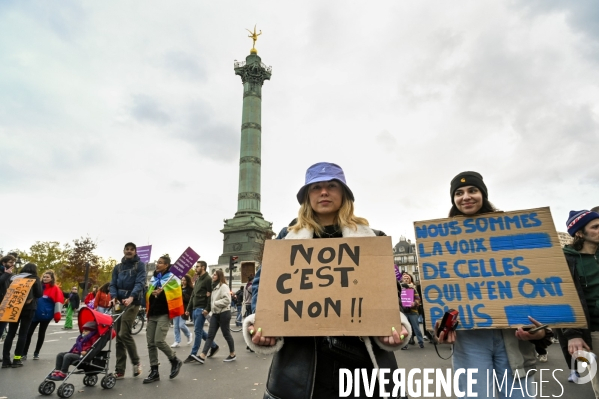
(85, 280)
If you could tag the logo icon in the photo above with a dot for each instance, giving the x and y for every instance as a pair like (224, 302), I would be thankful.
(586, 361)
(463, 180)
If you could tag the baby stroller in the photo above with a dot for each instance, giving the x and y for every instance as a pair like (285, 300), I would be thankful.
(95, 360)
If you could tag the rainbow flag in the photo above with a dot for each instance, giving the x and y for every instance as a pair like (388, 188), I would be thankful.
(172, 289)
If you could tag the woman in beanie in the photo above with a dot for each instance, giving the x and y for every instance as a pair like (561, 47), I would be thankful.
(491, 350)
(307, 367)
(164, 302)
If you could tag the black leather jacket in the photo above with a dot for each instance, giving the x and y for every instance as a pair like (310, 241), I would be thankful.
(292, 374)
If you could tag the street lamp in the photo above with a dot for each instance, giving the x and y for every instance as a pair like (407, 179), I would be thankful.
(85, 280)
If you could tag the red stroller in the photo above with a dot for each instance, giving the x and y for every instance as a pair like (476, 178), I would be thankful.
(95, 360)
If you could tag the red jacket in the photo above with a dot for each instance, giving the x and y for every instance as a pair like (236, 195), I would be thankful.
(102, 300)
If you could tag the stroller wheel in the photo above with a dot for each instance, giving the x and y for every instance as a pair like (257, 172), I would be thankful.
(46, 388)
(90, 380)
(66, 390)
(108, 382)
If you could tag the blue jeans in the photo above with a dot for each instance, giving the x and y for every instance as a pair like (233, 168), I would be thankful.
(413, 319)
(198, 329)
(485, 350)
(239, 316)
(178, 325)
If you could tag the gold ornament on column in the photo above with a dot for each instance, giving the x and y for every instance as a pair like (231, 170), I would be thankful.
(254, 36)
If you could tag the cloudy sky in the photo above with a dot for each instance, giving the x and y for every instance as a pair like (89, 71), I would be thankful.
(121, 120)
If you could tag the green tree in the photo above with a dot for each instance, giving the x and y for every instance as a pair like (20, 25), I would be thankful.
(47, 255)
(81, 253)
(105, 267)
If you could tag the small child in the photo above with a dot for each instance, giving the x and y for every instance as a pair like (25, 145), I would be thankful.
(83, 343)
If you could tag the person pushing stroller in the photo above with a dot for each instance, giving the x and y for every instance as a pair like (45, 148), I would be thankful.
(89, 335)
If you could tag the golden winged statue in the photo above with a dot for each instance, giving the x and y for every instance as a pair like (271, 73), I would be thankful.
(254, 37)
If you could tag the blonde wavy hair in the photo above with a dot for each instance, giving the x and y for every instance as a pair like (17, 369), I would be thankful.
(306, 218)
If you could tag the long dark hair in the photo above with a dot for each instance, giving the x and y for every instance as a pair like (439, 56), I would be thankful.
(220, 276)
(105, 288)
(30, 268)
(188, 281)
(486, 208)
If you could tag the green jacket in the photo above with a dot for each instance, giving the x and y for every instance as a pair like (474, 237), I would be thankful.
(585, 272)
(200, 297)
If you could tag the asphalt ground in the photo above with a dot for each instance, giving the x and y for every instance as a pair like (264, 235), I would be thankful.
(243, 378)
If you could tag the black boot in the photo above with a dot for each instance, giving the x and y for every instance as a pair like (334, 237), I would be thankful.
(154, 375)
(175, 367)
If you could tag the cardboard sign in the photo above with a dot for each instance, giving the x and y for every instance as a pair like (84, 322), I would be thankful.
(15, 298)
(496, 269)
(144, 253)
(407, 297)
(185, 262)
(334, 286)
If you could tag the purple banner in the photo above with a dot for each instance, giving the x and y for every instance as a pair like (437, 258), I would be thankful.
(397, 273)
(184, 263)
(407, 297)
(144, 253)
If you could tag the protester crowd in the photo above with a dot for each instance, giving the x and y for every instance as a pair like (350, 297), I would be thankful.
(299, 364)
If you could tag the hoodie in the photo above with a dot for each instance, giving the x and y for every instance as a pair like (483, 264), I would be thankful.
(587, 280)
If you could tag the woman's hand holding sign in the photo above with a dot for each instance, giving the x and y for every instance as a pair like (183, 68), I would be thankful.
(394, 339)
(258, 339)
(536, 333)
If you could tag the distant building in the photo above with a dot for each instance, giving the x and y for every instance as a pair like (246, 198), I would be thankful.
(564, 238)
(405, 257)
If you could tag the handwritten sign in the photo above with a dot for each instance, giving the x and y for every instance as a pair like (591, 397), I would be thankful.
(15, 298)
(337, 286)
(497, 269)
(407, 297)
(185, 262)
(144, 253)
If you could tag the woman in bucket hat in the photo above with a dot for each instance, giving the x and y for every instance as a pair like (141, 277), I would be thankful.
(302, 367)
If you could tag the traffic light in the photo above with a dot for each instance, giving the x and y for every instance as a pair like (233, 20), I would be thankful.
(233, 262)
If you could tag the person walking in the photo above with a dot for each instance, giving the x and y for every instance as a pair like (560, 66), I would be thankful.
(72, 303)
(411, 311)
(164, 301)
(7, 264)
(220, 305)
(583, 261)
(90, 298)
(126, 292)
(307, 367)
(102, 301)
(49, 307)
(199, 307)
(29, 271)
(179, 321)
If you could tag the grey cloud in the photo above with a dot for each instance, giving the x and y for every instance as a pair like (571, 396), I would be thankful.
(184, 65)
(387, 141)
(581, 15)
(212, 139)
(146, 109)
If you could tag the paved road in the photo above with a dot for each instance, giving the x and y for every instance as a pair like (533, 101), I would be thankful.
(240, 379)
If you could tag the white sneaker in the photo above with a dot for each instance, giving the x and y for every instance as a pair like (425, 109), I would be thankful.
(573, 376)
(175, 345)
(190, 339)
(543, 358)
